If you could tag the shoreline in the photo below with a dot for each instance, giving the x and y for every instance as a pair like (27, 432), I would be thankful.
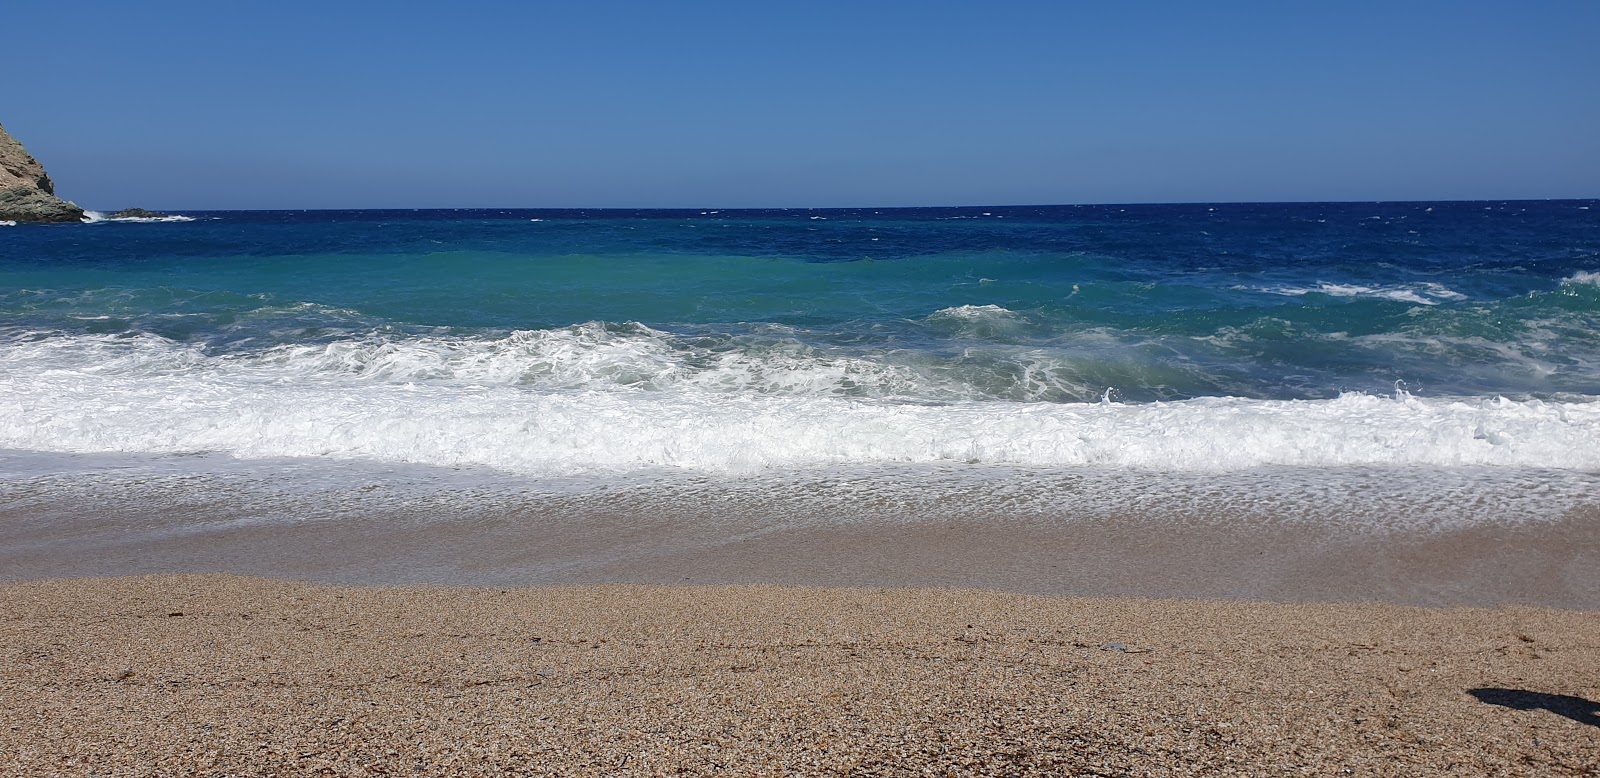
(215, 673)
(1550, 563)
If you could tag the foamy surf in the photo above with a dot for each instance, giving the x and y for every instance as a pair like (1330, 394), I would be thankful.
(592, 413)
(100, 217)
(1420, 294)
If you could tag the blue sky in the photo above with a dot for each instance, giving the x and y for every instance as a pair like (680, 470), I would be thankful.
(350, 105)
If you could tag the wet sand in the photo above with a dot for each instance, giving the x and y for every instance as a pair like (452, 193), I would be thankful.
(214, 675)
(1549, 563)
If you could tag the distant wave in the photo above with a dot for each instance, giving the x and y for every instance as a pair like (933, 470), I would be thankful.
(982, 322)
(100, 217)
(1584, 277)
(594, 356)
(1421, 294)
(974, 312)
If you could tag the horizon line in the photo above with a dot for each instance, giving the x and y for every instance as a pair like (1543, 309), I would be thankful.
(724, 208)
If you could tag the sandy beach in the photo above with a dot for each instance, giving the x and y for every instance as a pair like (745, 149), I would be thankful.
(227, 675)
(778, 389)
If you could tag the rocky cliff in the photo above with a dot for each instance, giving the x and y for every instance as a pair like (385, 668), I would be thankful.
(26, 192)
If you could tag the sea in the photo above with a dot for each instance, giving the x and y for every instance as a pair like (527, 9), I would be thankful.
(1389, 366)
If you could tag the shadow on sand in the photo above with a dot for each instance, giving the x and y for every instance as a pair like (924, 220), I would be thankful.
(1576, 708)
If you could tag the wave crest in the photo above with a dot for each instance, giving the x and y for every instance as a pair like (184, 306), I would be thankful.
(1429, 293)
(252, 408)
(100, 217)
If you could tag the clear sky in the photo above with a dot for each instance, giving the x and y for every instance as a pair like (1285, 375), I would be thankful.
(287, 104)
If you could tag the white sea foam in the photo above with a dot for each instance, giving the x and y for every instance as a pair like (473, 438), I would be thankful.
(152, 219)
(1586, 277)
(970, 312)
(983, 322)
(591, 356)
(1442, 292)
(236, 492)
(1422, 294)
(100, 217)
(89, 394)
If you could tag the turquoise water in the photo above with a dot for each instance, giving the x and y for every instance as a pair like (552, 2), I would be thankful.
(538, 346)
(1025, 304)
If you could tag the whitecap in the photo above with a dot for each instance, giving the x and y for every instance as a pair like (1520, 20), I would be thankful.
(100, 217)
(152, 219)
(974, 311)
(1429, 293)
(457, 403)
(1442, 292)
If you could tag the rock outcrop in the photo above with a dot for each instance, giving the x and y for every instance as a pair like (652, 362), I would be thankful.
(138, 213)
(26, 192)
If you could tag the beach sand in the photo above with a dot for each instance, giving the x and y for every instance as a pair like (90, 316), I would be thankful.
(225, 675)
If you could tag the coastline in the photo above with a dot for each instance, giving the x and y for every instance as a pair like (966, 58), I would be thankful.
(1363, 522)
(505, 541)
(208, 674)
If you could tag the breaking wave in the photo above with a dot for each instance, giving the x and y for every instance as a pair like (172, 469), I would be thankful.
(1421, 294)
(573, 401)
(100, 217)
